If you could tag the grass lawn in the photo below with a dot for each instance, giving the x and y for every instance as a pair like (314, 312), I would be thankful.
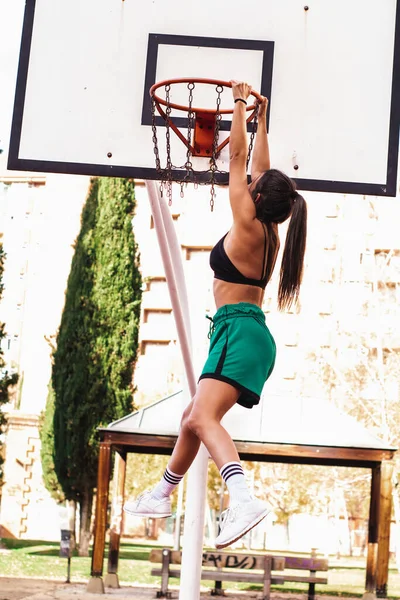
(26, 558)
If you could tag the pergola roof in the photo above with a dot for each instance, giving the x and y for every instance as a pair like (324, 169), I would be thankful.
(303, 429)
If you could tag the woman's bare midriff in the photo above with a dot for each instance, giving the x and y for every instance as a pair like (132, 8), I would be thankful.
(232, 293)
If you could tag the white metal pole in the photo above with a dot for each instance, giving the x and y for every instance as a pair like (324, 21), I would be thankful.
(179, 513)
(170, 261)
(197, 475)
(193, 532)
(176, 257)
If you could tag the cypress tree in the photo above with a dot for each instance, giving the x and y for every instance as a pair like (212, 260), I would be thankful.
(97, 341)
(46, 431)
(6, 379)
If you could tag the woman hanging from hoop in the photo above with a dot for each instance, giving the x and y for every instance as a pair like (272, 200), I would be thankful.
(242, 350)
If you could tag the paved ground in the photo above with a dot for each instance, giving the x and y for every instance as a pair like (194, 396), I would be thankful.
(38, 589)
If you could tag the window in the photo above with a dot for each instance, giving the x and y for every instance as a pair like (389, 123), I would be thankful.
(158, 284)
(198, 255)
(155, 350)
(388, 264)
(174, 218)
(160, 318)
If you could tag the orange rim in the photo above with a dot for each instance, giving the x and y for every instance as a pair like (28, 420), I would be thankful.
(182, 107)
(159, 102)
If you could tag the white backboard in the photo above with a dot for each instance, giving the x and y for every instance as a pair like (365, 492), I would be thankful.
(331, 71)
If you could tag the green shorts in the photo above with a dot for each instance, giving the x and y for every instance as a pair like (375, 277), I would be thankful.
(242, 350)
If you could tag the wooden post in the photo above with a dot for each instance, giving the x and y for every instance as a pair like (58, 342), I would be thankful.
(267, 577)
(95, 584)
(385, 517)
(166, 557)
(118, 488)
(311, 586)
(373, 529)
(217, 589)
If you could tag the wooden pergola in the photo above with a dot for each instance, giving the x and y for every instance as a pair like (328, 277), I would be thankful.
(341, 442)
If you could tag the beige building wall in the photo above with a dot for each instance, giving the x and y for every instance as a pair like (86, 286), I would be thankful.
(27, 510)
(39, 221)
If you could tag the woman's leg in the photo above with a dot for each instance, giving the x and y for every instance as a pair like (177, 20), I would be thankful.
(186, 447)
(156, 502)
(212, 401)
(185, 450)
(201, 423)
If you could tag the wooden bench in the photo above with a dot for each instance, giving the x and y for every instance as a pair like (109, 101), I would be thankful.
(218, 567)
(242, 567)
(312, 564)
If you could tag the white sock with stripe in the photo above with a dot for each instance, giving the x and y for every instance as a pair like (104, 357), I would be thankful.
(166, 485)
(233, 475)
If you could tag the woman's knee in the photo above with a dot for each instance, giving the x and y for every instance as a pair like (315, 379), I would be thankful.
(198, 423)
(186, 415)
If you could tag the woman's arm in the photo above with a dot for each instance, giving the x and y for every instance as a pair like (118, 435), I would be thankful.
(261, 160)
(238, 136)
(242, 205)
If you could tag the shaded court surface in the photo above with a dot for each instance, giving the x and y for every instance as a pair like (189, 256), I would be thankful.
(12, 588)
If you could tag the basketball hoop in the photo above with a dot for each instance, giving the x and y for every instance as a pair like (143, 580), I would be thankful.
(202, 136)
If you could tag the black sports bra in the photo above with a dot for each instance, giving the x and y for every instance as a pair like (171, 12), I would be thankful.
(225, 270)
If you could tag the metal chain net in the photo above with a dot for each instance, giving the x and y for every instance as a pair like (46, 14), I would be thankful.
(191, 118)
(252, 135)
(213, 160)
(167, 174)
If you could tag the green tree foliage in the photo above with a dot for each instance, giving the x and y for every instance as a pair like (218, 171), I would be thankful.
(46, 432)
(97, 340)
(6, 379)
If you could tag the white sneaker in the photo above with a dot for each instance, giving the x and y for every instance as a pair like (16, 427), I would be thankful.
(238, 520)
(147, 506)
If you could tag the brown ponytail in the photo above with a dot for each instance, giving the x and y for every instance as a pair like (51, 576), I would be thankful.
(277, 200)
(293, 255)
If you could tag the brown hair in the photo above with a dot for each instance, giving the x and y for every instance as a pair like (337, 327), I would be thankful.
(279, 200)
